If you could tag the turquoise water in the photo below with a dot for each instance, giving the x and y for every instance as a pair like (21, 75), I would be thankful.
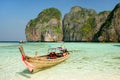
(88, 61)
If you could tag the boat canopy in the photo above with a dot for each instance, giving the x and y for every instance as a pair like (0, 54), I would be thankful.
(58, 48)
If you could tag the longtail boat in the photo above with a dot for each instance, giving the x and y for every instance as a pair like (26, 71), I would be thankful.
(37, 63)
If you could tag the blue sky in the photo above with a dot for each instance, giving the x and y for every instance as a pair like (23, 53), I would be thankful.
(15, 14)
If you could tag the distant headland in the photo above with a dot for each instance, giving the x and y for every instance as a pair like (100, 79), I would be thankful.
(80, 24)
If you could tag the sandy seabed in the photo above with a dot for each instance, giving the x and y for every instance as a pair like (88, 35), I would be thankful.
(89, 61)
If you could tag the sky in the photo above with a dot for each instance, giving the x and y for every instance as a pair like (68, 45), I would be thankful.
(15, 14)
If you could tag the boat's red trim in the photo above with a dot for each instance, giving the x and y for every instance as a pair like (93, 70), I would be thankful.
(28, 65)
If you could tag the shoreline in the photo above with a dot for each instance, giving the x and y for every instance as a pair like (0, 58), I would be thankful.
(55, 42)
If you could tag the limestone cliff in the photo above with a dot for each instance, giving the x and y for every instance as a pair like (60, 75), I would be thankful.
(82, 24)
(78, 24)
(100, 19)
(46, 27)
(110, 30)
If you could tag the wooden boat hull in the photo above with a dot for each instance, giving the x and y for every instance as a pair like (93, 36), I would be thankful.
(38, 63)
(44, 63)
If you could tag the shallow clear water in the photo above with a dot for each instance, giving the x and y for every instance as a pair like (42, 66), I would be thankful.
(88, 61)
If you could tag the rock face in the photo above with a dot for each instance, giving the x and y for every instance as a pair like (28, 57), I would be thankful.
(78, 24)
(46, 27)
(100, 19)
(110, 30)
(82, 24)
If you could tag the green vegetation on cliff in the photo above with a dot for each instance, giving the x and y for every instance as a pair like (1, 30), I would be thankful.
(49, 13)
(110, 30)
(46, 27)
(88, 26)
(80, 24)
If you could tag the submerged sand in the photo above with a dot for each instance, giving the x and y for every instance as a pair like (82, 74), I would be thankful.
(89, 61)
